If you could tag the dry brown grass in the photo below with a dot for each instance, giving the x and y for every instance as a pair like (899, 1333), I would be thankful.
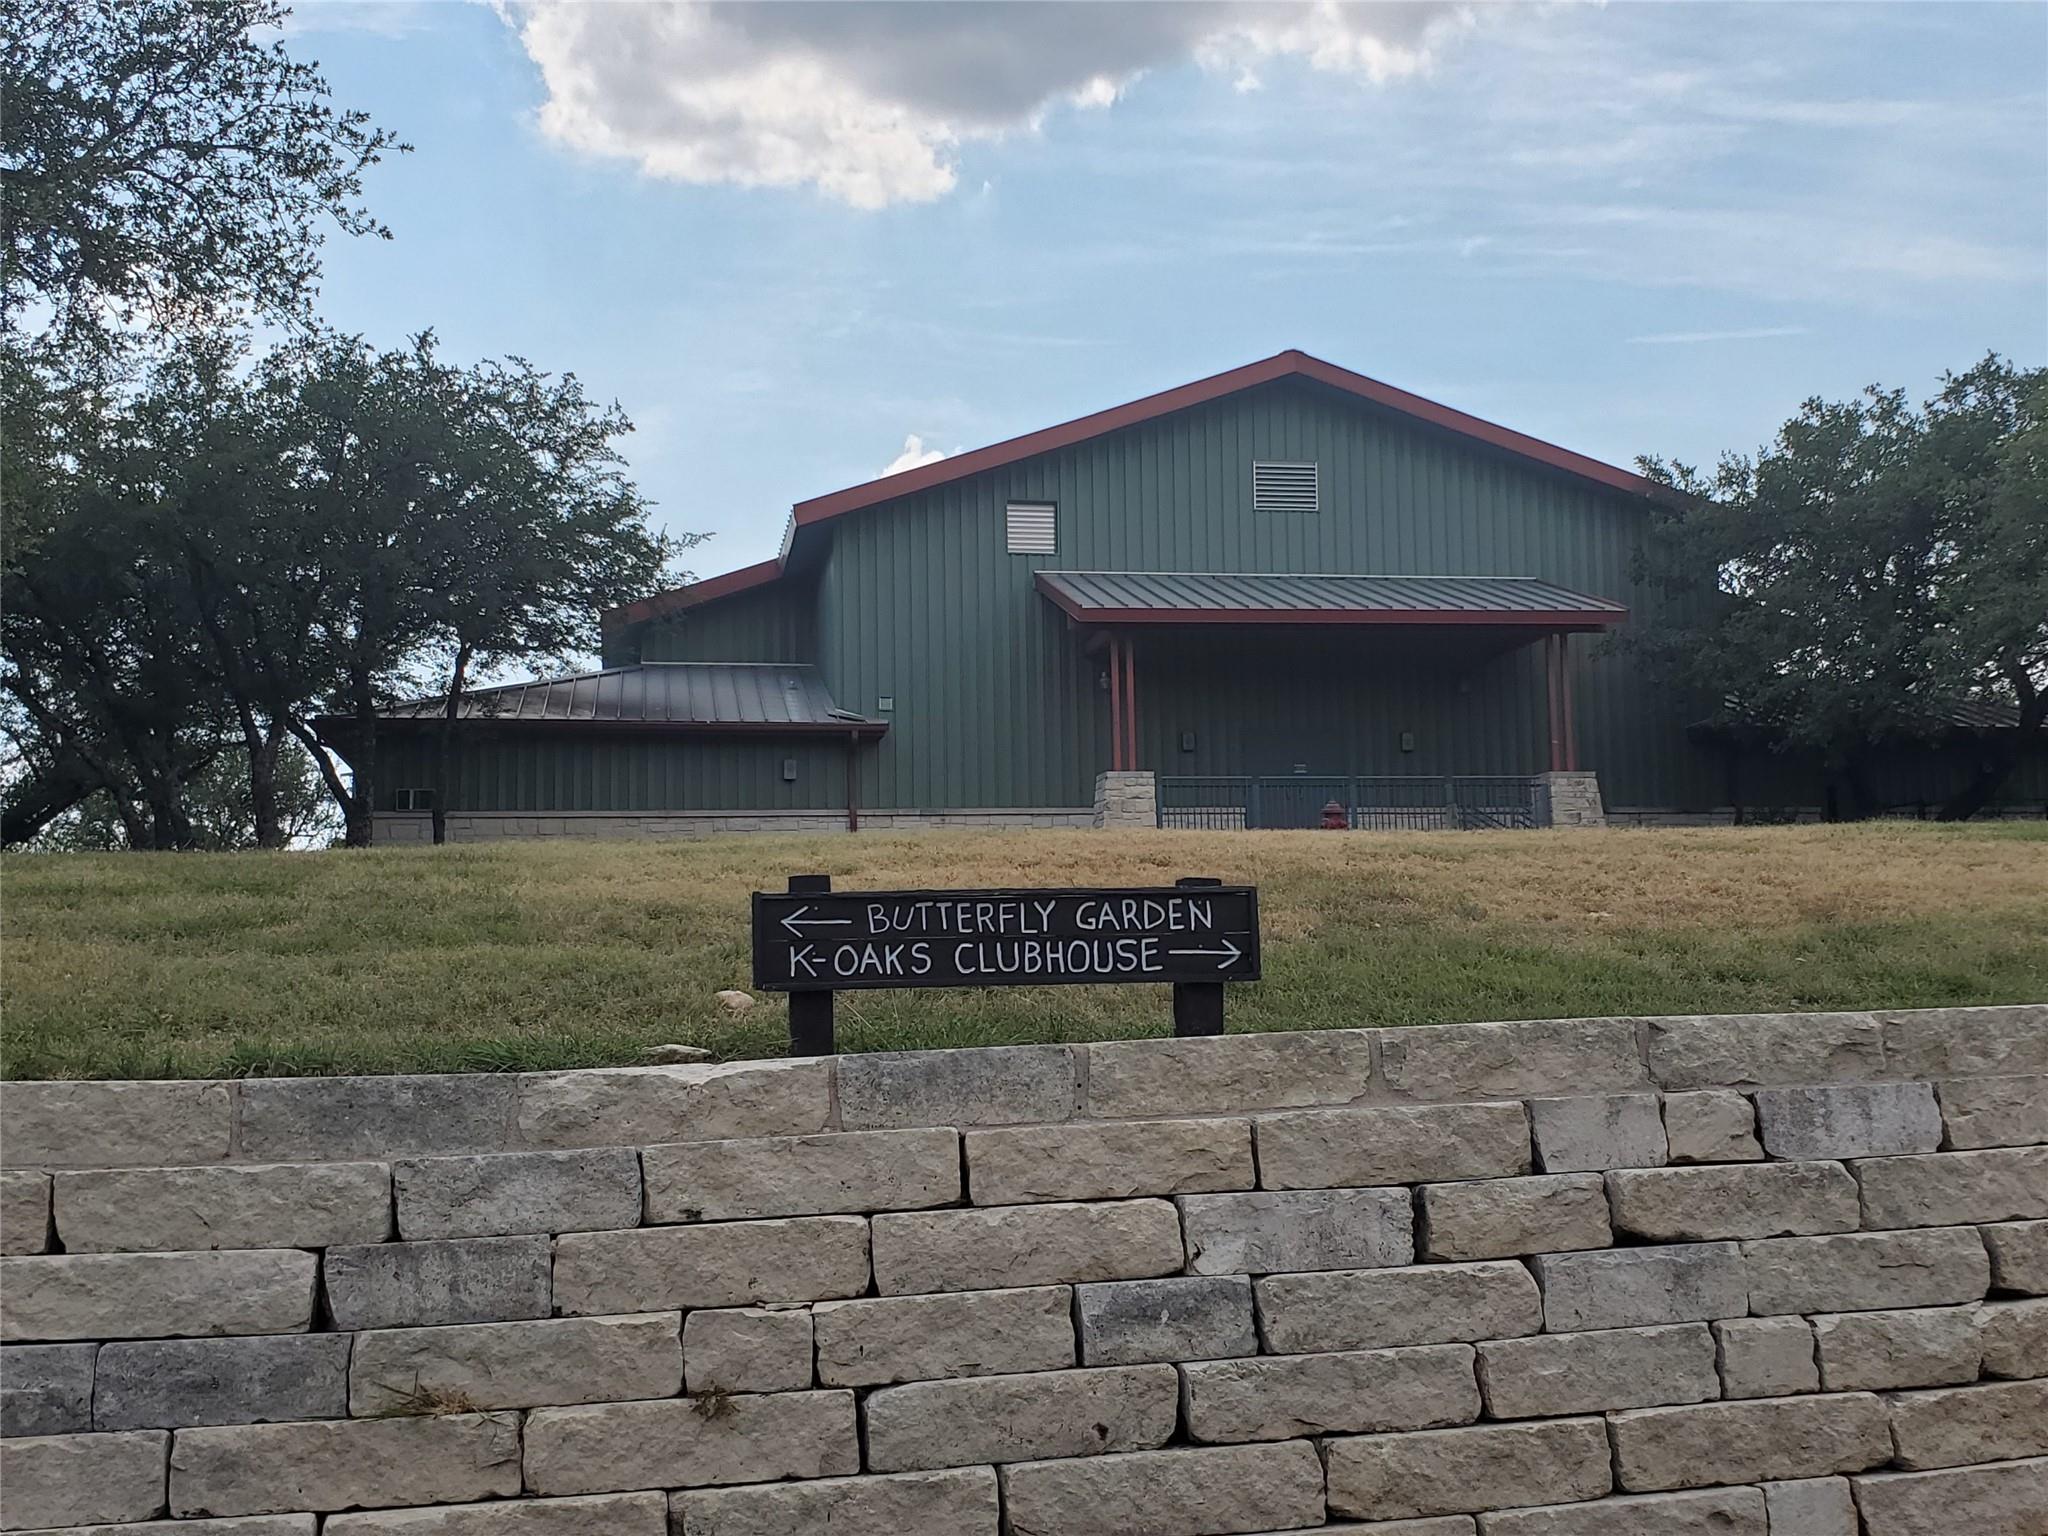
(559, 953)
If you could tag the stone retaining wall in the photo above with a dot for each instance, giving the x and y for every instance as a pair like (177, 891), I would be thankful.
(1757, 1276)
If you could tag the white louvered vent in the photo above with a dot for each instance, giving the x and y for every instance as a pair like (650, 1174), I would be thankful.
(1032, 528)
(1284, 488)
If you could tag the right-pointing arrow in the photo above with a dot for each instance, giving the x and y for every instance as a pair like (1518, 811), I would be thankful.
(1229, 953)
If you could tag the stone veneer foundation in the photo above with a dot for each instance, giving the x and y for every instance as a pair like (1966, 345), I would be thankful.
(1760, 1276)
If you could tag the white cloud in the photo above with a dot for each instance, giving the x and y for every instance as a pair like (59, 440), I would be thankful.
(1692, 338)
(914, 455)
(870, 101)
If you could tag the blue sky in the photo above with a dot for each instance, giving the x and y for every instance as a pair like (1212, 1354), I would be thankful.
(787, 238)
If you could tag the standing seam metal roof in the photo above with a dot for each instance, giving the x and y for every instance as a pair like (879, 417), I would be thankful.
(683, 693)
(1196, 596)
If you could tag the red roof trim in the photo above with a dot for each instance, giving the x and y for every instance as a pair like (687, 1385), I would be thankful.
(328, 727)
(1284, 365)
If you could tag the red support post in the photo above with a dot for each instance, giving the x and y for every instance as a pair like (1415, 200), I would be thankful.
(1571, 723)
(1553, 703)
(1131, 703)
(1116, 705)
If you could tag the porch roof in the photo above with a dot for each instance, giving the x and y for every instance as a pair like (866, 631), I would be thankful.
(1205, 597)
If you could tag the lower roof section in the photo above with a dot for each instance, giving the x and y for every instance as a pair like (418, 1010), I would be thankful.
(727, 697)
(1204, 597)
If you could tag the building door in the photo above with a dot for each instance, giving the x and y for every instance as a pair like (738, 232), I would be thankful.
(1294, 773)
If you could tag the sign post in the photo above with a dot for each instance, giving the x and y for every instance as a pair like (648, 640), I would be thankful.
(811, 942)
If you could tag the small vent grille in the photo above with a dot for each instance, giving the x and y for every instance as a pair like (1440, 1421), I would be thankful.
(1284, 488)
(1032, 530)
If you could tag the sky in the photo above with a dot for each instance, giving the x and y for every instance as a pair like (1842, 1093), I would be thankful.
(805, 243)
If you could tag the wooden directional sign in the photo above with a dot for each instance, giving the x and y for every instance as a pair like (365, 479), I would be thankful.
(1196, 933)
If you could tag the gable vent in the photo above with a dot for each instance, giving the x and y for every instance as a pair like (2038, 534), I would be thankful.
(1284, 488)
(1031, 527)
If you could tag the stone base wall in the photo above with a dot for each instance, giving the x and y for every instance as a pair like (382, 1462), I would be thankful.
(1573, 799)
(1761, 1276)
(494, 826)
(1126, 798)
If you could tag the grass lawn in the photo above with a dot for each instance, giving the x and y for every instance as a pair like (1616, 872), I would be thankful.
(559, 954)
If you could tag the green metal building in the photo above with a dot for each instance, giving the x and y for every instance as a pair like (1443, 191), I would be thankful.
(1238, 602)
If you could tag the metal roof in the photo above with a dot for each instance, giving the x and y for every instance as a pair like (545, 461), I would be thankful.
(742, 696)
(1202, 597)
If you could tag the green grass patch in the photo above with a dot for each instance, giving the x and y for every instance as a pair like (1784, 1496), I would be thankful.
(557, 954)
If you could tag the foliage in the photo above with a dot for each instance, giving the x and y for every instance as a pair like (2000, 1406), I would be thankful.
(1871, 572)
(219, 807)
(563, 953)
(159, 164)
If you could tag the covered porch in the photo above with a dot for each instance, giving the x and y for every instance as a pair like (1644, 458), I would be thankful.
(1295, 700)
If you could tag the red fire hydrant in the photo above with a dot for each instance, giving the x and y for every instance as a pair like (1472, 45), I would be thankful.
(1334, 818)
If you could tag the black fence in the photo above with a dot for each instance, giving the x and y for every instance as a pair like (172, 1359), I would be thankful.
(1370, 804)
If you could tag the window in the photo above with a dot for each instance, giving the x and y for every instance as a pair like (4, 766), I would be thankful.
(415, 799)
(1284, 488)
(1031, 528)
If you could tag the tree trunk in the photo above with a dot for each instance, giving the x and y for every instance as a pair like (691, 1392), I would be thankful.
(444, 748)
(260, 745)
(2001, 755)
(354, 807)
(38, 801)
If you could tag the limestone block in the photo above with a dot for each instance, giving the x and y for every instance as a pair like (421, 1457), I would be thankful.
(1814, 1506)
(1565, 1373)
(1388, 1308)
(497, 1194)
(960, 1501)
(1139, 1322)
(1528, 1058)
(179, 1383)
(699, 1101)
(67, 1480)
(1010, 1085)
(1499, 1218)
(1641, 1287)
(1286, 1397)
(425, 1284)
(251, 1525)
(1853, 1120)
(515, 1365)
(744, 1349)
(835, 1173)
(1880, 1351)
(921, 1338)
(1724, 1511)
(277, 1205)
(618, 1514)
(1767, 1357)
(1211, 1489)
(1401, 1144)
(1956, 1426)
(726, 1264)
(1438, 1525)
(691, 1442)
(260, 1469)
(113, 1124)
(1714, 1125)
(1967, 1042)
(1999, 1499)
(24, 1211)
(1264, 1232)
(307, 1118)
(1110, 1161)
(1772, 1438)
(2010, 1184)
(156, 1295)
(2019, 1256)
(1866, 1271)
(46, 1389)
(1022, 1245)
(1745, 1050)
(1450, 1471)
(1735, 1200)
(1591, 1132)
(1227, 1074)
(2013, 1336)
(1995, 1111)
(972, 1419)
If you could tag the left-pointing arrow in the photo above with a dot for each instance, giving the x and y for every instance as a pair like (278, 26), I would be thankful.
(796, 922)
